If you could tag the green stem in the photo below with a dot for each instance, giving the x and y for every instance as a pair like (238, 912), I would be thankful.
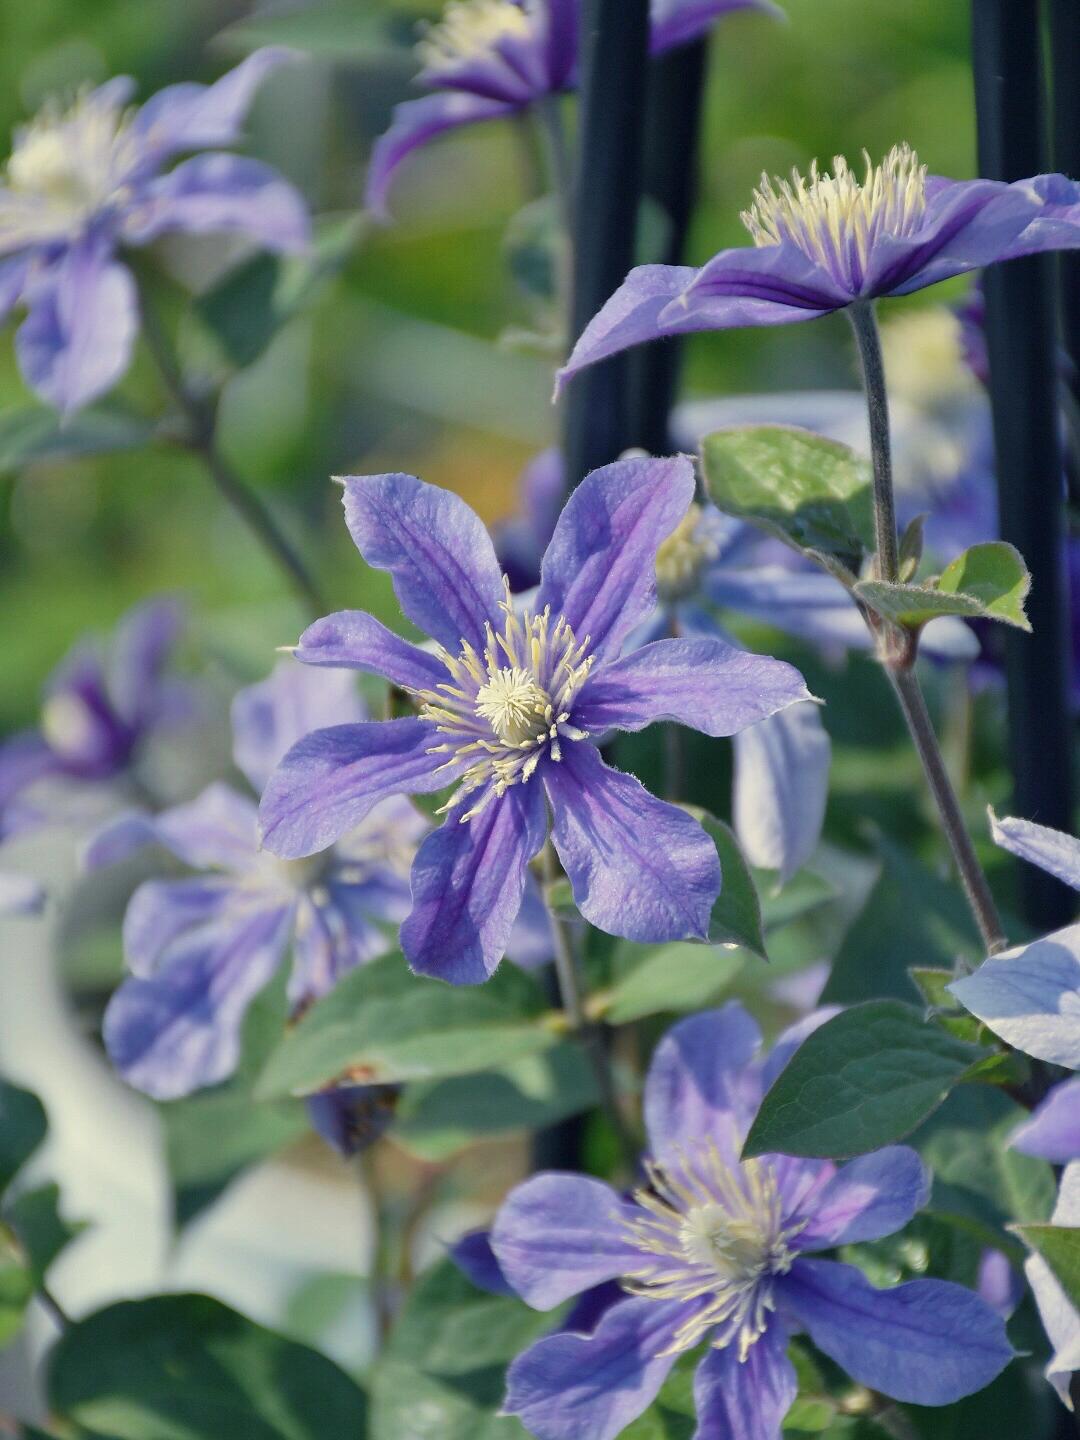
(201, 420)
(899, 659)
(589, 1036)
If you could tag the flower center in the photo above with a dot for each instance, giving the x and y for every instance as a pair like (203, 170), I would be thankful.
(471, 29)
(74, 159)
(835, 219)
(502, 711)
(713, 1232)
(681, 558)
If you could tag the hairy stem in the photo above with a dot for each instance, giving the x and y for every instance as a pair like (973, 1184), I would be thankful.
(201, 438)
(898, 661)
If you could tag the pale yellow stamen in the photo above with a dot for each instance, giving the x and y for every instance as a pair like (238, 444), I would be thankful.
(681, 558)
(73, 160)
(469, 30)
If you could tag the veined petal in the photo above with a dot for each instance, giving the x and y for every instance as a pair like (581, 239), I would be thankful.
(745, 1399)
(330, 780)
(758, 285)
(467, 881)
(780, 789)
(160, 911)
(1059, 1316)
(570, 1386)
(556, 1235)
(807, 603)
(639, 868)
(77, 340)
(694, 1085)
(701, 682)
(1052, 1132)
(357, 641)
(142, 647)
(437, 551)
(927, 1341)
(599, 571)
(216, 830)
(1050, 850)
(230, 194)
(180, 1030)
(415, 123)
(867, 1199)
(270, 717)
(1030, 996)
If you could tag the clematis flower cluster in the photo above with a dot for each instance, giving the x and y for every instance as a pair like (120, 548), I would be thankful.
(89, 180)
(511, 706)
(488, 59)
(201, 948)
(721, 1252)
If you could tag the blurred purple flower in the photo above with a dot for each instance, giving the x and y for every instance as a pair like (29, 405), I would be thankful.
(20, 895)
(508, 705)
(824, 242)
(714, 1248)
(487, 59)
(85, 182)
(100, 711)
(201, 948)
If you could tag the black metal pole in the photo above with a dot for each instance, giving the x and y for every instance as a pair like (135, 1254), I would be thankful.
(1021, 340)
(614, 63)
(672, 142)
(1065, 74)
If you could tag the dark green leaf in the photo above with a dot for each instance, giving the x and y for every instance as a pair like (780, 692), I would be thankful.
(866, 1078)
(42, 1231)
(813, 493)
(381, 1024)
(186, 1367)
(736, 915)
(22, 1129)
(33, 432)
(16, 1287)
(1059, 1246)
(655, 979)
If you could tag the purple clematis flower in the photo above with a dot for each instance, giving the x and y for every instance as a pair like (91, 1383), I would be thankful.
(487, 59)
(828, 241)
(201, 948)
(100, 712)
(510, 708)
(1030, 995)
(85, 182)
(720, 1251)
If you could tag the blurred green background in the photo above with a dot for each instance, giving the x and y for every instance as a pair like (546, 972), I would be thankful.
(398, 365)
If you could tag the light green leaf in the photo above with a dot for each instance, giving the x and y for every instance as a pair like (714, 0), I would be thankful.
(914, 605)
(995, 574)
(813, 493)
(865, 1079)
(186, 1367)
(22, 1129)
(31, 433)
(16, 1287)
(382, 1024)
(1059, 1246)
(656, 979)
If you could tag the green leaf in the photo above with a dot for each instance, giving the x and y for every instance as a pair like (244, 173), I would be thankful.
(736, 915)
(533, 244)
(914, 605)
(186, 1367)
(381, 1024)
(866, 1078)
(41, 1230)
(340, 30)
(1059, 1246)
(996, 576)
(911, 547)
(16, 1287)
(30, 433)
(657, 979)
(813, 493)
(22, 1129)
(436, 1119)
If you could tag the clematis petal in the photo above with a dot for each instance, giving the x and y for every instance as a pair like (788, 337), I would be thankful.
(1030, 996)
(694, 1085)
(806, 603)
(357, 641)
(415, 123)
(142, 647)
(437, 551)
(531, 941)
(701, 682)
(599, 571)
(467, 881)
(745, 1399)
(639, 868)
(217, 829)
(556, 1235)
(180, 1030)
(24, 759)
(474, 1257)
(1052, 1131)
(867, 1199)
(927, 1341)
(77, 340)
(1059, 1316)
(160, 911)
(780, 788)
(758, 285)
(1050, 850)
(330, 780)
(229, 194)
(270, 717)
(203, 117)
(676, 22)
(569, 1386)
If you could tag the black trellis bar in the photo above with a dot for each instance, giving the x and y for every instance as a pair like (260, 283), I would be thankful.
(1024, 373)
(1065, 75)
(614, 65)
